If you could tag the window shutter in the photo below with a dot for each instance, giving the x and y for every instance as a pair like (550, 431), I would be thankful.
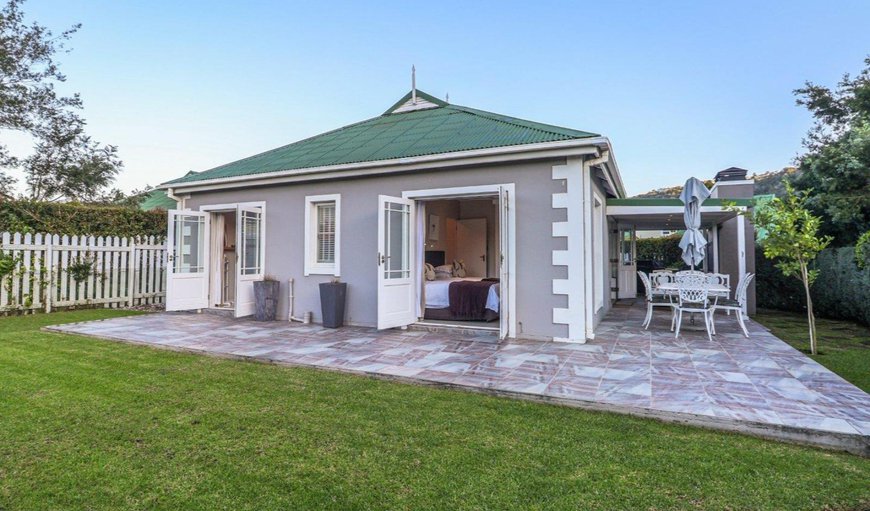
(326, 233)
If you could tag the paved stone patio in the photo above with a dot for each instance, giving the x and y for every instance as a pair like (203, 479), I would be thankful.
(759, 385)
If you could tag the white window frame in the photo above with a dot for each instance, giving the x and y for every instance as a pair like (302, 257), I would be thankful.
(312, 267)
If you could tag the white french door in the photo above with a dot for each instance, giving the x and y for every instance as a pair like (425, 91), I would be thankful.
(397, 273)
(627, 272)
(187, 277)
(504, 262)
(250, 248)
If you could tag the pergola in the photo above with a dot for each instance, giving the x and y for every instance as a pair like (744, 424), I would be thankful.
(726, 233)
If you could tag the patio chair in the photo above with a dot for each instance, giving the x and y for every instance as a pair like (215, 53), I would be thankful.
(657, 278)
(653, 301)
(693, 294)
(737, 304)
(719, 279)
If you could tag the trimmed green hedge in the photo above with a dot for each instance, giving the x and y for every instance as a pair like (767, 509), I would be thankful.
(664, 250)
(842, 290)
(79, 219)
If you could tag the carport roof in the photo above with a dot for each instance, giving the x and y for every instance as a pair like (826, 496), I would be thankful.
(667, 214)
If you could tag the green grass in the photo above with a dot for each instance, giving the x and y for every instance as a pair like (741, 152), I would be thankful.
(92, 424)
(844, 346)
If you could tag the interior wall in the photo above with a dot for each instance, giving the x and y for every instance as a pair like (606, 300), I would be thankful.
(488, 209)
(447, 212)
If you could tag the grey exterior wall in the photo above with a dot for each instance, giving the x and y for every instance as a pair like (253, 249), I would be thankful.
(728, 244)
(284, 254)
(605, 270)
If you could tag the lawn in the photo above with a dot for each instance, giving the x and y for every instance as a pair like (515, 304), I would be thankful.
(92, 424)
(844, 346)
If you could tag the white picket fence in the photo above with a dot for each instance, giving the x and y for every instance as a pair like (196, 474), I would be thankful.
(125, 271)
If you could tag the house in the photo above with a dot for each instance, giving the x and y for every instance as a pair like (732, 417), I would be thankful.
(388, 205)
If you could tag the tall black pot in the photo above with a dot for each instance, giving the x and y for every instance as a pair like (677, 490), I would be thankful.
(333, 296)
(266, 299)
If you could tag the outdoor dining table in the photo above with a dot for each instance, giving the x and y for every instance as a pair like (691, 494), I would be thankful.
(714, 289)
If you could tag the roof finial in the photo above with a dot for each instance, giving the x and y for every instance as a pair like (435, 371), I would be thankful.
(413, 85)
(447, 98)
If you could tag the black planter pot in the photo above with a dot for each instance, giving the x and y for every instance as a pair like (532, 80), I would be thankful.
(266, 299)
(333, 296)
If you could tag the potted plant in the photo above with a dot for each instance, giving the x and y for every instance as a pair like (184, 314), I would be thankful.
(266, 298)
(333, 296)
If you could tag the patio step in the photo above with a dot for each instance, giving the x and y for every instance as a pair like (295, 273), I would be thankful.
(222, 312)
(478, 334)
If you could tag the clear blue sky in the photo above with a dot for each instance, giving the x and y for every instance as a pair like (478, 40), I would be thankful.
(681, 88)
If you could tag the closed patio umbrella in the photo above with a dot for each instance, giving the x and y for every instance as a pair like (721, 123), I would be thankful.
(693, 244)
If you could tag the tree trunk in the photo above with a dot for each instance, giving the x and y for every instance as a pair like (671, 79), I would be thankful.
(811, 320)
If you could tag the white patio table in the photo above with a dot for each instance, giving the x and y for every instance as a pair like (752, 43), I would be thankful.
(715, 289)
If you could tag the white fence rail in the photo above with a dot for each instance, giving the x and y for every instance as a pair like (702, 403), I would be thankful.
(61, 271)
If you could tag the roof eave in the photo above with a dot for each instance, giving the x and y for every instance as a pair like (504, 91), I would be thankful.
(574, 147)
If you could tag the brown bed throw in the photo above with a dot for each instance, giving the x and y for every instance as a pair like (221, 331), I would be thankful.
(468, 299)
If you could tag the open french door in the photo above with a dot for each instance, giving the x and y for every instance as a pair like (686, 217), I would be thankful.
(250, 248)
(504, 241)
(187, 277)
(397, 274)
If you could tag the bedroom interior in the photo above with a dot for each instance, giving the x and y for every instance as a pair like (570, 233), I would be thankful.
(461, 268)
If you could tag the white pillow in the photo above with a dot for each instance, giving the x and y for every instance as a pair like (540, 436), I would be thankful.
(459, 269)
(445, 271)
(429, 272)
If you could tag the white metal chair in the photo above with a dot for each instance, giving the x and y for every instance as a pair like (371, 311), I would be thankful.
(690, 272)
(719, 279)
(653, 300)
(737, 304)
(657, 278)
(693, 294)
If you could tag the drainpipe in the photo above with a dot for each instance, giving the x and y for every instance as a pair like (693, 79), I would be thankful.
(587, 241)
(290, 317)
(171, 194)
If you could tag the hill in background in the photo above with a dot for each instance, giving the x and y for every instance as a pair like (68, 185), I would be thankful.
(765, 183)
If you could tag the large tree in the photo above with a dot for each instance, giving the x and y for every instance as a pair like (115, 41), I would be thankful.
(836, 167)
(65, 163)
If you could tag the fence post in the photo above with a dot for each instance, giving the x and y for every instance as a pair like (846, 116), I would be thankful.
(131, 272)
(49, 288)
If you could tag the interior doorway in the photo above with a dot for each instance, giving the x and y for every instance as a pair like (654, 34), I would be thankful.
(456, 242)
(222, 283)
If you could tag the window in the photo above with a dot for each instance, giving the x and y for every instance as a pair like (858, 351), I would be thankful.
(189, 244)
(322, 236)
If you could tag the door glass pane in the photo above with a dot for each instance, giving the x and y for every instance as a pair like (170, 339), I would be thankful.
(189, 244)
(397, 251)
(626, 249)
(251, 257)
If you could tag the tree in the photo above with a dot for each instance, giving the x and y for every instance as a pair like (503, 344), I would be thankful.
(66, 163)
(836, 166)
(793, 240)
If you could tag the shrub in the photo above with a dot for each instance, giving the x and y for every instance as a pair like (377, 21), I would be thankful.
(842, 291)
(80, 219)
(664, 250)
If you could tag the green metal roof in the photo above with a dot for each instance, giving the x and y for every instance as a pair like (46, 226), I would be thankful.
(157, 199)
(444, 128)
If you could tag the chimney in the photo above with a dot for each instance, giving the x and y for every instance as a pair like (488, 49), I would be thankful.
(731, 174)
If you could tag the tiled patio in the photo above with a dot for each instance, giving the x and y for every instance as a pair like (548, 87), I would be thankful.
(760, 385)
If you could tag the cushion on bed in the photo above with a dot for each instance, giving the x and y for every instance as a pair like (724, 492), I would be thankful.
(445, 271)
(459, 269)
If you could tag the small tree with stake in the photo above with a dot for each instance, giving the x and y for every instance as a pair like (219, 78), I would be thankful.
(793, 240)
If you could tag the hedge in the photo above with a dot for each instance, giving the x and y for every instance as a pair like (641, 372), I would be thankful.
(664, 250)
(80, 219)
(842, 290)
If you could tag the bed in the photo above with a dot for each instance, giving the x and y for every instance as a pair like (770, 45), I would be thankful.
(462, 299)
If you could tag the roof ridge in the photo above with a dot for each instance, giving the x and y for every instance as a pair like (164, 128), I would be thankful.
(279, 148)
(524, 123)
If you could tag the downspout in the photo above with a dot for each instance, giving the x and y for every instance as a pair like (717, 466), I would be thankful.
(290, 317)
(171, 194)
(587, 241)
